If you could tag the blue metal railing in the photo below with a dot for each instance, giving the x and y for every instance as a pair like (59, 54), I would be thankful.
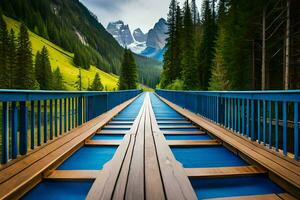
(32, 118)
(270, 118)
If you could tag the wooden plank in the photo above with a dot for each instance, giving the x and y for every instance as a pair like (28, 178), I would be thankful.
(153, 180)
(112, 132)
(193, 142)
(183, 132)
(135, 181)
(103, 142)
(223, 171)
(17, 178)
(283, 167)
(175, 180)
(282, 196)
(177, 126)
(104, 187)
(118, 126)
(73, 174)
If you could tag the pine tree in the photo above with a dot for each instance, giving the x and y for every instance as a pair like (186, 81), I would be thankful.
(169, 58)
(43, 71)
(12, 59)
(219, 80)
(57, 80)
(78, 83)
(4, 45)
(96, 84)
(195, 12)
(24, 71)
(128, 77)
(205, 51)
(188, 59)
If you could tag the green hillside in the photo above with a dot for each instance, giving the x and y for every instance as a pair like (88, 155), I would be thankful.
(64, 60)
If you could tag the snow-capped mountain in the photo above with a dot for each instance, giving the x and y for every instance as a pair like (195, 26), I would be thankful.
(120, 32)
(151, 44)
(139, 35)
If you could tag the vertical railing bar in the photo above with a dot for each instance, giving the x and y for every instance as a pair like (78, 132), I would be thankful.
(276, 126)
(252, 120)
(32, 122)
(23, 128)
(14, 130)
(73, 114)
(60, 116)
(69, 114)
(270, 123)
(248, 118)
(51, 119)
(65, 115)
(284, 128)
(296, 131)
(235, 115)
(39, 122)
(258, 122)
(243, 116)
(5, 135)
(45, 122)
(264, 122)
(239, 116)
(55, 119)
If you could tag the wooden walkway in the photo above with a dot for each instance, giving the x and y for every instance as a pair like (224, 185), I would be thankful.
(144, 166)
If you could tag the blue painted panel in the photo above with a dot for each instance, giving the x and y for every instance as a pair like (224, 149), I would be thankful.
(89, 158)
(206, 156)
(60, 190)
(108, 137)
(188, 137)
(231, 187)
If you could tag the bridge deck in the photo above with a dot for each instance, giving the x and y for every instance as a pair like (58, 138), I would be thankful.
(149, 148)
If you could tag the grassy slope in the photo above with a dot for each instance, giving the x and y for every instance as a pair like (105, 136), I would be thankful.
(64, 60)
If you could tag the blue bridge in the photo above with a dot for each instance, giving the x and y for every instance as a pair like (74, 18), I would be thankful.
(162, 145)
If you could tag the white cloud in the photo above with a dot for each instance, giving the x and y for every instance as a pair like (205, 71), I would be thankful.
(137, 13)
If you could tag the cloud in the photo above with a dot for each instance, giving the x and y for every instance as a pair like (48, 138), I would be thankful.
(137, 13)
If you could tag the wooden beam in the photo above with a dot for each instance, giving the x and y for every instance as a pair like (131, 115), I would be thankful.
(193, 142)
(118, 126)
(73, 174)
(173, 122)
(103, 142)
(183, 132)
(175, 180)
(120, 122)
(223, 171)
(179, 127)
(112, 132)
(283, 196)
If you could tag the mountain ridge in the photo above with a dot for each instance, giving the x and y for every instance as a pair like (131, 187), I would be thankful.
(149, 44)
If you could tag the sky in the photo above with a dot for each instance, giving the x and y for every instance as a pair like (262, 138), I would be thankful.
(137, 13)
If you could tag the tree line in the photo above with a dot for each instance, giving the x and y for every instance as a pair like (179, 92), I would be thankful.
(18, 71)
(233, 45)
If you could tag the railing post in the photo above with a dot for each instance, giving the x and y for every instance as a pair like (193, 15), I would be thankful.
(23, 128)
